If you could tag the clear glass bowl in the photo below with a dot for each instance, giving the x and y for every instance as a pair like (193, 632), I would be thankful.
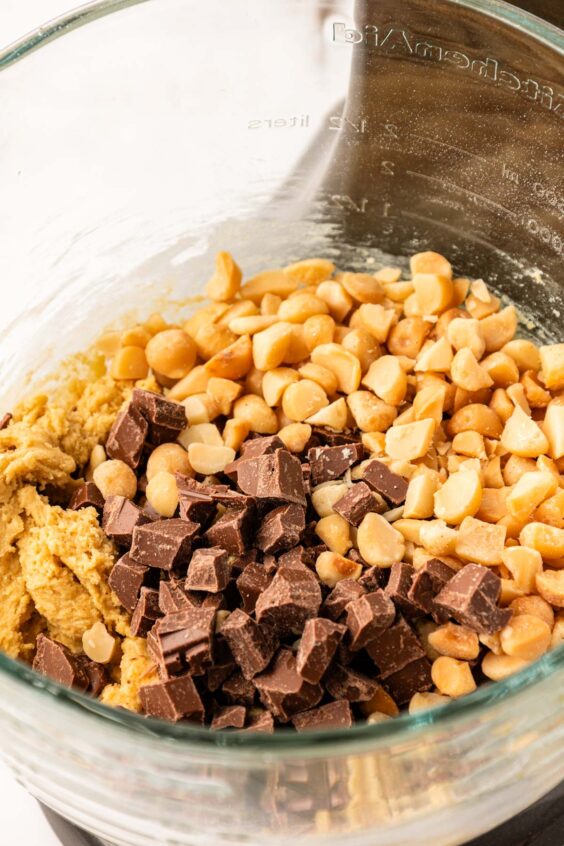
(131, 150)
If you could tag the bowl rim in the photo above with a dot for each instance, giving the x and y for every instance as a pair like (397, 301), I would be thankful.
(469, 706)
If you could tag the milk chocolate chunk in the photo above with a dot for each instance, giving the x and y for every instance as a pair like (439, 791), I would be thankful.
(414, 678)
(54, 660)
(426, 583)
(196, 504)
(293, 596)
(471, 597)
(164, 543)
(232, 531)
(253, 581)
(281, 529)
(95, 673)
(274, 476)
(173, 700)
(173, 597)
(318, 645)
(344, 592)
(238, 689)
(208, 570)
(188, 634)
(254, 447)
(283, 691)
(391, 486)
(120, 518)
(126, 580)
(261, 722)
(87, 495)
(368, 616)
(127, 437)
(298, 556)
(231, 716)
(373, 577)
(358, 501)
(345, 683)
(146, 612)
(331, 462)
(328, 437)
(395, 648)
(335, 715)
(166, 418)
(251, 645)
(5, 421)
(399, 585)
(221, 669)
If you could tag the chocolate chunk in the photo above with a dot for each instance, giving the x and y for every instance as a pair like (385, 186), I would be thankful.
(276, 475)
(120, 518)
(196, 504)
(471, 597)
(395, 648)
(54, 660)
(219, 672)
(328, 437)
(232, 530)
(216, 601)
(172, 700)
(253, 581)
(5, 421)
(283, 691)
(391, 486)
(238, 561)
(414, 678)
(164, 543)
(208, 570)
(399, 585)
(251, 645)
(344, 683)
(261, 722)
(344, 592)
(426, 583)
(358, 501)
(173, 597)
(335, 715)
(293, 596)
(146, 612)
(188, 634)
(127, 437)
(231, 716)
(318, 645)
(126, 580)
(96, 674)
(331, 462)
(373, 577)
(238, 689)
(298, 556)
(281, 529)
(254, 447)
(368, 616)
(87, 495)
(166, 418)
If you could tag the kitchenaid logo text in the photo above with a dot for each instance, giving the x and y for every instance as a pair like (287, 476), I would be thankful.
(393, 40)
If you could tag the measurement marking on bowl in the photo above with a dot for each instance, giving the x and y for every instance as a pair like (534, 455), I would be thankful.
(454, 187)
(450, 146)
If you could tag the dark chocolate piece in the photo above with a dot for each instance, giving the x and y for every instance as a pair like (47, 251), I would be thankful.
(221, 669)
(127, 437)
(373, 577)
(318, 645)
(399, 585)
(164, 543)
(253, 581)
(251, 645)
(120, 518)
(328, 437)
(395, 648)
(335, 715)
(238, 689)
(266, 445)
(188, 635)
(208, 570)
(196, 504)
(231, 716)
(54, 660)
(232, 530)
(283, 691)
(368, 616)
(298, 556)
(126, 580)
(344, 683)
(344, 592)
(96, 673)
(166, 418)
(5, 421)
(331, 462)
(146, 612)
(281, 529)
(172, 700)
(358, 501)
(391, 486)
(86, 496)
(427, 582)
(471, 597)
(275, 476)
(414, 678)
(293, 596)
(173, 597)
(261, 722)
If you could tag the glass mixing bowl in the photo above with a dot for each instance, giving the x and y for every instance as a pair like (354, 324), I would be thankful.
(131, 149)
